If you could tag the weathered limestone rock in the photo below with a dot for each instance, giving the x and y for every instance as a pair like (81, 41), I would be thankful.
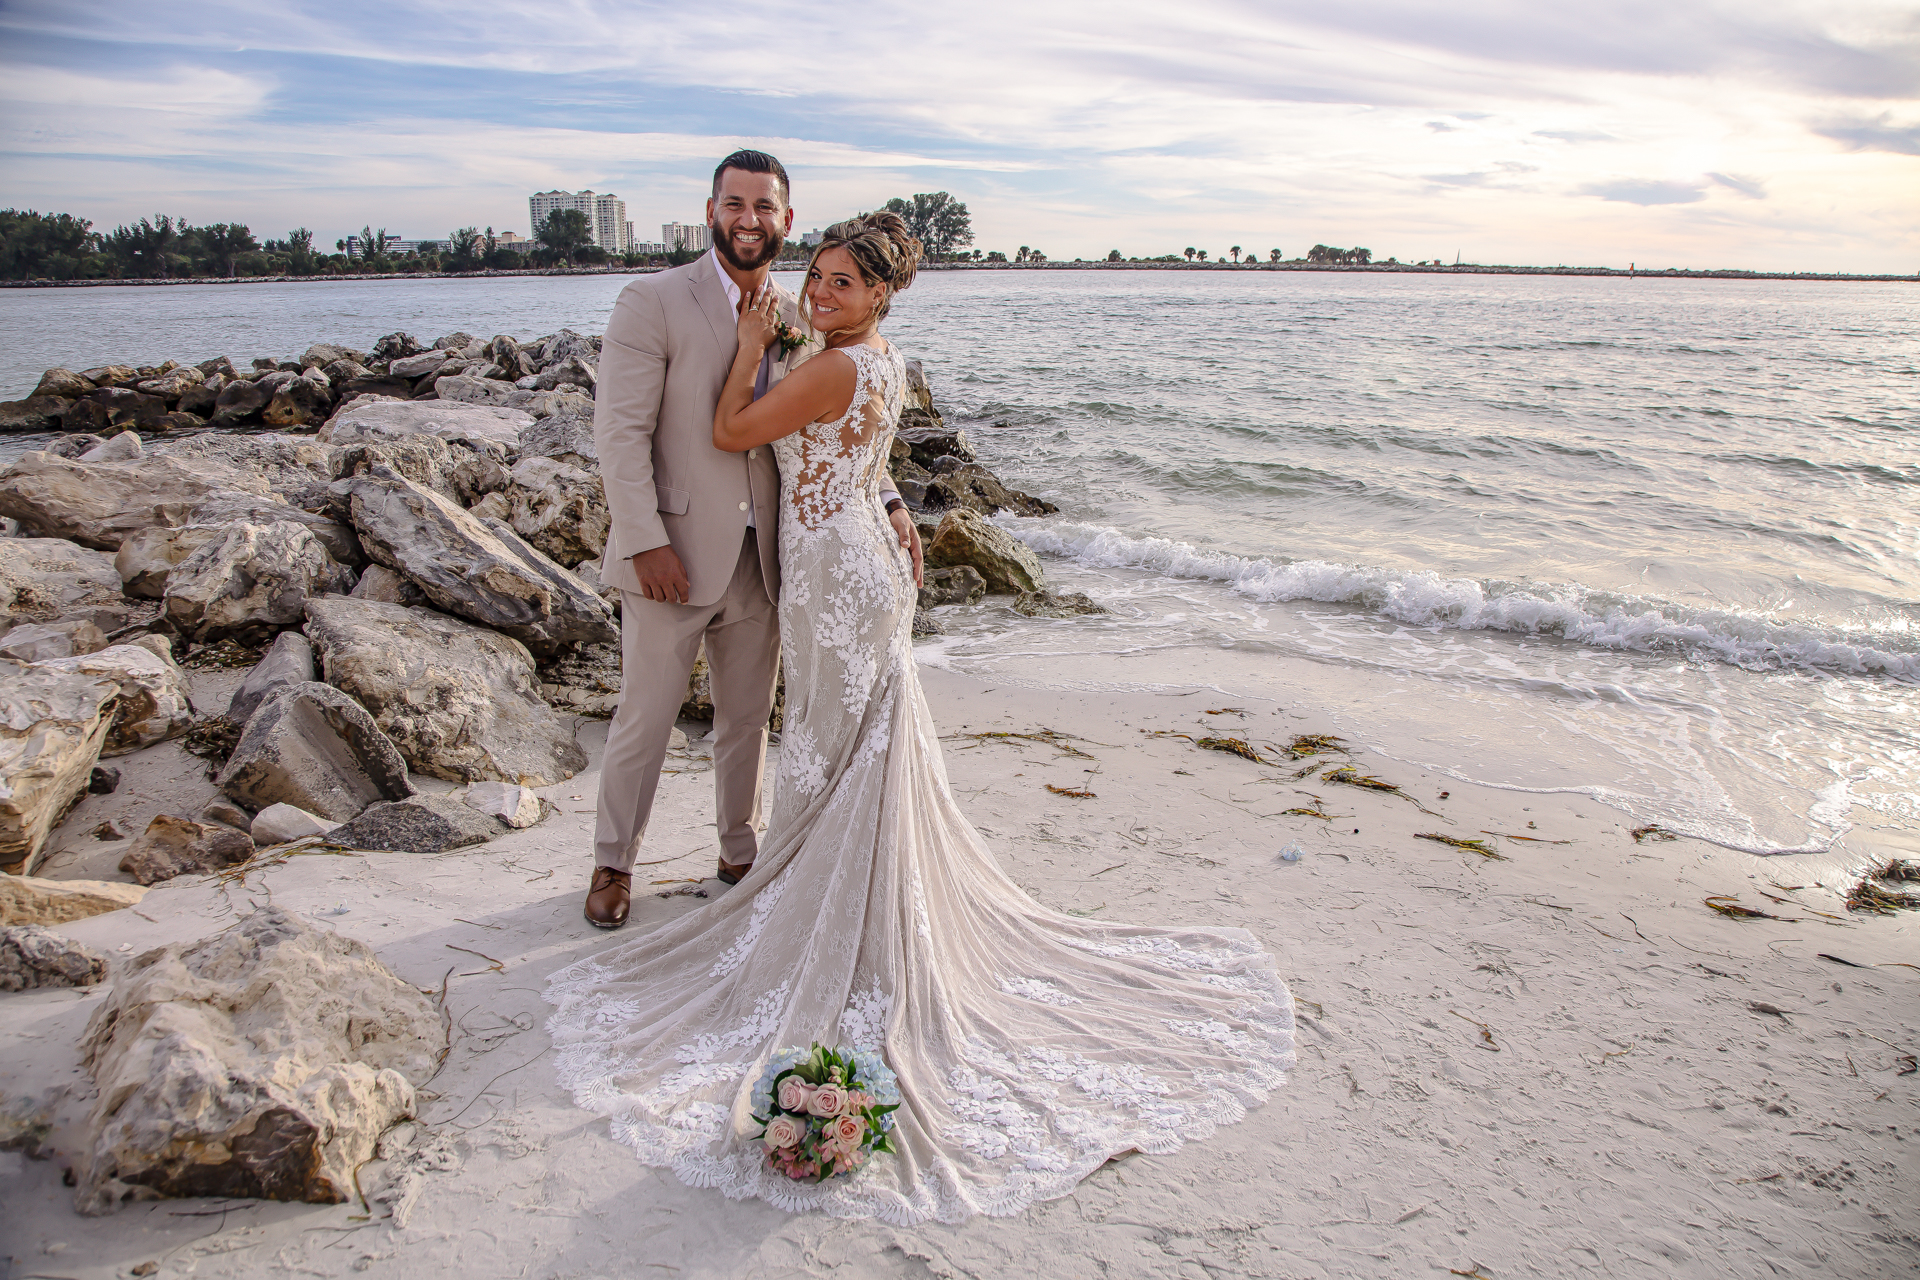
(300, 402)
(148, 556)
(176, 846)
(973, 486)
(35, 413)
(925, 624)
(121, 448)
(172, 384)
(564, 437)
(34, 956)
(153, 704)
(31, 900)
(559, 509)
(274, 466)
(251, 581)
(203, 400)
(227, 814)
(264, 1061)
(447, 419)
(45, 641)
(74, 445)
(279, 823)
(583, 681)
(460, 702)
(572, 371)
(423, 365)
(928, 441)
(545, 404)
(563, 346)
(103, 780)
(288, 661)
(111, 375)
(98, 504)
(240, 401)
(424, 824)
(518, 807)
(112, 409)
(44, 579)
(396, 345)
(311, 746)
(464, 388)
(52, 726)
(1045, 604)
(967, 537)
(961, 584)
(474, 569)
(322, 354)
(384, 586)
(63, 382)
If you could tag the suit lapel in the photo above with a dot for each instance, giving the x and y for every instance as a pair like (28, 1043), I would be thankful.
(711, 296)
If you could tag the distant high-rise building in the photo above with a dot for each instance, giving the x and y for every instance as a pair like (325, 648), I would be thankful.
(812, 238)
(606, 215)
(682, 235)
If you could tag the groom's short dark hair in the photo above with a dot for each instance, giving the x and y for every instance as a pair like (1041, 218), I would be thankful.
(754, 162)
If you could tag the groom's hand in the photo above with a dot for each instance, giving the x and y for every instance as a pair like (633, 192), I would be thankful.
(909, 535)
(664, 578)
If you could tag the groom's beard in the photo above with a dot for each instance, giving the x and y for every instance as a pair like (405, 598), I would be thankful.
(769, 249)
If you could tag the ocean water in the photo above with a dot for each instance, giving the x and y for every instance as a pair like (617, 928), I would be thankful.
(1656, 541)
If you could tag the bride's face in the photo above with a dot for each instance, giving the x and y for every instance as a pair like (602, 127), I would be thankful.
(839, 295)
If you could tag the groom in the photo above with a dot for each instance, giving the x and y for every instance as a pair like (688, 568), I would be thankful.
(694, 548)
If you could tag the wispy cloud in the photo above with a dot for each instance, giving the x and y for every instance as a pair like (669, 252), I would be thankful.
(1873, 135)
(1079, 126)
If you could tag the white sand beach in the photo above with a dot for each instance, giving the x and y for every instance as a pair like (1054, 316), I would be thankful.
(1561, 1063)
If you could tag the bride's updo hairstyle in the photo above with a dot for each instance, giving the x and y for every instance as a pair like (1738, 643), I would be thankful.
(881, 246)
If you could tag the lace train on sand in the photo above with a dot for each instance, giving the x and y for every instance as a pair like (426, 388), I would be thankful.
(1030, 1046)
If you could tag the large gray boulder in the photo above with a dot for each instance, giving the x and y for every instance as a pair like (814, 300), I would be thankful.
(967, 537)
(423, 365)
(63, 382)
(313, 747)
(32, 955)
(35, 413)
(564, 437)
(52, 726)
(559, 509)
(45, 579)
(479, 570)
(288, 661)
(147, 558)
(264, 1061)
(447, 419)
(47, 641)
(251, 581)
(153, 705)
(973, 486)
(424, 824)
(99, 504)
(294, 469)
(176, 846)
(460, 702)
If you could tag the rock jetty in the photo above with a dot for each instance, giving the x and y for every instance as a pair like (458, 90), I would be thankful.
(405, 540)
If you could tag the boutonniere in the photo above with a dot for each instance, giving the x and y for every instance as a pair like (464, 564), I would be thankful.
(790, 338)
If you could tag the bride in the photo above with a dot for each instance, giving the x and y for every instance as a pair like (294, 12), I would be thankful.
(1030, 1046)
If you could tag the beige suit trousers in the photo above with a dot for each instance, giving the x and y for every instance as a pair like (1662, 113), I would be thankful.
(658, 644)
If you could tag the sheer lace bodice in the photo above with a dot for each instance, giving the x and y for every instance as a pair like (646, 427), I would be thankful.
(1031, 1046)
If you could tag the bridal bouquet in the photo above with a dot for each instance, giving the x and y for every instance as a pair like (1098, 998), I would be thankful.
(826, 1111)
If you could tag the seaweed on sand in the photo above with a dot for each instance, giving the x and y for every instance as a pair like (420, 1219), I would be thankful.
(1069, 791)
(1868, 896)
(1315, 744)
(1727, 906)
(1319, 809)
(1480, 847)
(1061, 742)
(1652, 831)
(1347, 776)
(1232, 746)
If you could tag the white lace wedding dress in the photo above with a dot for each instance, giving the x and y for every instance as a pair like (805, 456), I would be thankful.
(1031, 1046)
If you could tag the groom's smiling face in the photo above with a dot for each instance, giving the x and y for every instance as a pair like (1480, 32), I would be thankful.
(749, 217)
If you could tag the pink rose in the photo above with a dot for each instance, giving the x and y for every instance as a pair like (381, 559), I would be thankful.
(784, 1131)
(794, 1093)
(827, 1100)
(846, 1130)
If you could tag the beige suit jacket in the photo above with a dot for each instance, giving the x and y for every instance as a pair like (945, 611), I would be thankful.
(665, 358)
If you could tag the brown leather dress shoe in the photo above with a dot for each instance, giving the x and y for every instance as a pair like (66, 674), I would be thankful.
(731, 874)
(608, 898)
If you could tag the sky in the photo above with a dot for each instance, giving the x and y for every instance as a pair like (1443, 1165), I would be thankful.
(1771, 136)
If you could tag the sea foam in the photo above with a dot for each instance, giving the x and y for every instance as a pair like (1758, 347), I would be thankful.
(1425, 599)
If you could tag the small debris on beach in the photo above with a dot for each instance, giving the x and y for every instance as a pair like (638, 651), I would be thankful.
(1529, 839)
(226, 654)
(1772, 1011)
(1480, 847)
(1868, 896)
(1312, 768)
(1228, 711)
(1319, 810)
(1727, 905)
(1486, 1032)
(1069, 791)
(1232, 746)
(1315, 744)
(1058, 741)
(1347, 776)
(1652, 831)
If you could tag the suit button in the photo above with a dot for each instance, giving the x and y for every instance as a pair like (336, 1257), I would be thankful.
(753, 453)
(743, 506)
